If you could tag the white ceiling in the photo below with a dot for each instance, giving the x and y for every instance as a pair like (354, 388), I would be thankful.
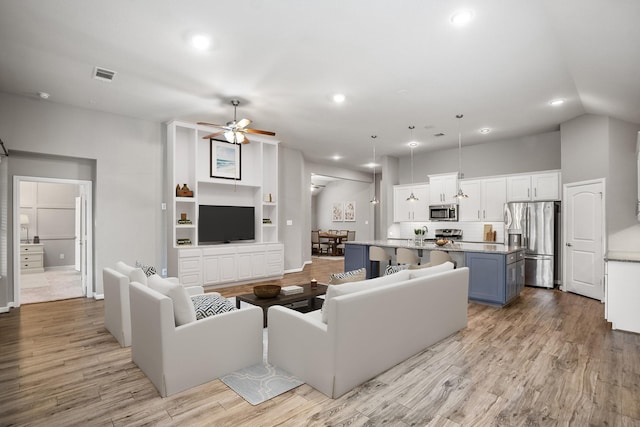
(399, 63)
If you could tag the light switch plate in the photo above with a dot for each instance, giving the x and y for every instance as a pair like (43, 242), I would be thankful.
(289, 222)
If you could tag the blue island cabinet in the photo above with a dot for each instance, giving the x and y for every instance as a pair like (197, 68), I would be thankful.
(357, 256)
(495, 278)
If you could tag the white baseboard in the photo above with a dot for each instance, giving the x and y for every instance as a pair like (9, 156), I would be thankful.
(98, 296)
(7, 308)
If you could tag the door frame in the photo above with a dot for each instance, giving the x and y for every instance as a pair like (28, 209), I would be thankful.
(85, 188)
(603, 228)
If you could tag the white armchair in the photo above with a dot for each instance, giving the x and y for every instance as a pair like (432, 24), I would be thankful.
(176, 358)
(117, 316)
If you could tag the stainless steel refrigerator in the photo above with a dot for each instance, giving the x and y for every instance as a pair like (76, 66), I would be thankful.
(536, 227)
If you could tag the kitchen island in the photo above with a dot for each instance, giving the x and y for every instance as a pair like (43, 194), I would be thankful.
(496, 271)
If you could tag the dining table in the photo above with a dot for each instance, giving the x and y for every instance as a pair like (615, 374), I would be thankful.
(333, 239)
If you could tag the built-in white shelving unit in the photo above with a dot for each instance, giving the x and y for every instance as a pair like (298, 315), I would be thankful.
(189, 162)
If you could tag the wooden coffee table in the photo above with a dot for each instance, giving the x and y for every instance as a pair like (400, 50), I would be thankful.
(307, 294)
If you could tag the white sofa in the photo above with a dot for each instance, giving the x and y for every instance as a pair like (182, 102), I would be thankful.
(117, 316)
(372, 327)
(176, 358)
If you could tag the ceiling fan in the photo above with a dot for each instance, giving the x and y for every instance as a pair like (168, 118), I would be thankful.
(235, 131)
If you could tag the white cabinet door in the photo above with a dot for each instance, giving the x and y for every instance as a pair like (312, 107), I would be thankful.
(539, 186)
(211, 270)
(486, 199)
(494, 196)
(403, 210)
(519, 188)
(244, 266)
(274, 261)
(442, 189)
(471, 207)
(545, 186)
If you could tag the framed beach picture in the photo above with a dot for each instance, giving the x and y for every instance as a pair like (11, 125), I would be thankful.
(225, 160)
(349, 211)
(336, 214)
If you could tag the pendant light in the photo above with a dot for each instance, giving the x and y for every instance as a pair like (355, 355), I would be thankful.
(412, 144)
(375, 200)
(460, 194)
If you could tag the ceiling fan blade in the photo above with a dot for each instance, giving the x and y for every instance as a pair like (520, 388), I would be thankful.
(243, 123)
(213, 124)
(261, 132)
(213, 135)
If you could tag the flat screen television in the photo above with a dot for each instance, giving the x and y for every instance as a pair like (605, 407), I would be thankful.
(225, 224)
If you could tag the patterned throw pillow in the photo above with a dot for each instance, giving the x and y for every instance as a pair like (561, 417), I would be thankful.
(395, 268)
(348, 276)
(210, 305)
(148, 269)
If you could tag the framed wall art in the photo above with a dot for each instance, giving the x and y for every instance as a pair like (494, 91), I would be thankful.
(337, 213)
(225, 160)
(349, 211)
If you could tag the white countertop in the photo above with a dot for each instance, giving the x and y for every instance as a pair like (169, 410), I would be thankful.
(622, 256)
(490, 247)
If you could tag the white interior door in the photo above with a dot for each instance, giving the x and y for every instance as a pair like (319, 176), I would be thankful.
(78, 228)
(583, 222)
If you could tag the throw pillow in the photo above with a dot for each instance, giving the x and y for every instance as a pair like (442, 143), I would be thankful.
(391, 269)
(211, 304)
(183, 310)
(148, 269)
(348, 276)
(134, 274)
(423, 272)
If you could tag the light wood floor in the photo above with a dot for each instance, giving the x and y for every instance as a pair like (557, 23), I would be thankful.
(548, 359)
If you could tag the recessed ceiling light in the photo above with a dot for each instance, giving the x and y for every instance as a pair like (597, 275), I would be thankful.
(201, 41)
(556, 102)
(413, 144)
(339, 98)
(461, 17)
(336, 157)
(372, 165)
(44, 95)
(485, 130)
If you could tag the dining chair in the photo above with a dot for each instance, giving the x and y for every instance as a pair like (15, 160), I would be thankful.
(316, 245)
(351, 236)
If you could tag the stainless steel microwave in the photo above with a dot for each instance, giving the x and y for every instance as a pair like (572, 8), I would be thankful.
(443, 212)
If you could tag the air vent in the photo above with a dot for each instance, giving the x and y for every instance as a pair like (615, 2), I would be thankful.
(103, 74)
(438, 134)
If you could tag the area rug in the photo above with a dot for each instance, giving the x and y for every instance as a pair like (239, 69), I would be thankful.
(259, 383)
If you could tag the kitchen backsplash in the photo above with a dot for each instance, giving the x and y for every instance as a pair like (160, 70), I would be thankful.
(471, 231)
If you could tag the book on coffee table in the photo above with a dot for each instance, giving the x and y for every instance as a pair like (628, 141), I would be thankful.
(291, 290)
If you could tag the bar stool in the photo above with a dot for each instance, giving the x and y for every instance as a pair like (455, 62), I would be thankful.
(377, 255)
(438, 257)
(407, 256)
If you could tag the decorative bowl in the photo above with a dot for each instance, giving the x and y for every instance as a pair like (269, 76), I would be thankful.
(441, 242)
(266, 291)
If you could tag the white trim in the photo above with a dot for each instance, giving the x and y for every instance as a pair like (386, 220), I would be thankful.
(603, 184)
(98, 296)
(86, 187)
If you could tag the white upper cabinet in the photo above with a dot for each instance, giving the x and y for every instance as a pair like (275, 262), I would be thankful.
(486, 199)
(404, 210)
(443, 188)
(539, 186)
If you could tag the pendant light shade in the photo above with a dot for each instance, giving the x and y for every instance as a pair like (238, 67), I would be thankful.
(375, 200)
(412, 144)
(460, 194)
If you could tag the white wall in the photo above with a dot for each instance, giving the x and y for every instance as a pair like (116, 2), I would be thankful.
(128, 222)
(345, 191)
(526, 154)
(602, 147)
